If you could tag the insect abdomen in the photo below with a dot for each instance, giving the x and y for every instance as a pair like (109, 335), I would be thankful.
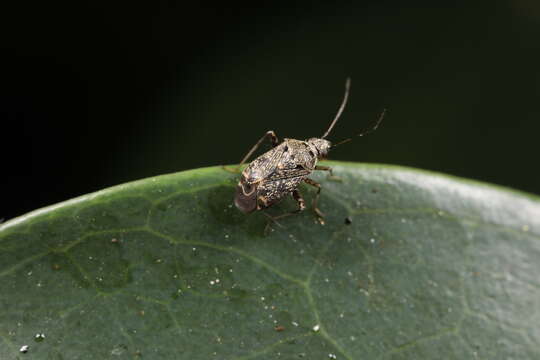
(245, 198)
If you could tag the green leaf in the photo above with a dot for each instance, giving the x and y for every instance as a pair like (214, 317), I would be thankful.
(167, 268)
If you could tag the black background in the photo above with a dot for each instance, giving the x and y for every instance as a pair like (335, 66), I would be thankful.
(99, 93)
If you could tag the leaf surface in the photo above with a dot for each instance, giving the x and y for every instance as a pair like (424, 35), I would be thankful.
(168, 268)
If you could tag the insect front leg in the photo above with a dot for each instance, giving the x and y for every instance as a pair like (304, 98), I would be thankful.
(329, 169)
(318, 212)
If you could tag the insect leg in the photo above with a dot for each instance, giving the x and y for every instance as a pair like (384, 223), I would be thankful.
(273, 138)
(271, 134)
(271, 219)
(301, 207)
(300, 200)
(329, 169)
(318, 212)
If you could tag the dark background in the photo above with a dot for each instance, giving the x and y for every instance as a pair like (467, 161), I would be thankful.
(99, 93)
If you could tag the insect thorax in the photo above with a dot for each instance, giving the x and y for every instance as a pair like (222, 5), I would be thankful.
(321, 145)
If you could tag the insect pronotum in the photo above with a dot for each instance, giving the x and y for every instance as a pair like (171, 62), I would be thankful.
(279, 171)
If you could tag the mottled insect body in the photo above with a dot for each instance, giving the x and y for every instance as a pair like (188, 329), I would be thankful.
(279, 171)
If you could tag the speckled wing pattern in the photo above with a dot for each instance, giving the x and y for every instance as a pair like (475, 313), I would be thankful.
(263, 166)
(287, 165)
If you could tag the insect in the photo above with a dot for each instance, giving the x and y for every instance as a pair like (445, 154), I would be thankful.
(279, 171)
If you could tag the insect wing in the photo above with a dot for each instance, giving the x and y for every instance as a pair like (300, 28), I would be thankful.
(283, 174)
(263, 166)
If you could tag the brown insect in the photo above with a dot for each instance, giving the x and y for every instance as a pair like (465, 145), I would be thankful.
(279, 171)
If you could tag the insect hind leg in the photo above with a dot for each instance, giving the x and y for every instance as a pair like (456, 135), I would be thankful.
(269, 134)
(301, 207)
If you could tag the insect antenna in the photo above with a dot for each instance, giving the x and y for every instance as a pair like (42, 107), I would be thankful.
(341, 107)
(373, 128)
